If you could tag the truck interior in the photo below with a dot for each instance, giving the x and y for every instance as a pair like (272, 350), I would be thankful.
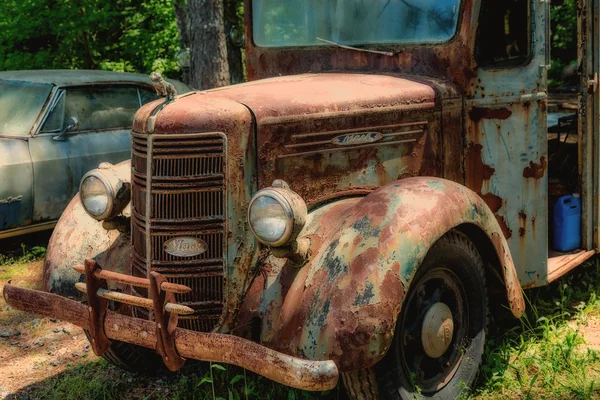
(566, 175)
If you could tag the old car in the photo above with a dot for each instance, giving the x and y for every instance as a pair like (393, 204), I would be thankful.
(55, 125)
(356, 211)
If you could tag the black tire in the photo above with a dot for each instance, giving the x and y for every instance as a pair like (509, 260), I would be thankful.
(451, 273)
(132, 358)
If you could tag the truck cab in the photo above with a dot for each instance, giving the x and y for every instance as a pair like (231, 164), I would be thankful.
(356, 210)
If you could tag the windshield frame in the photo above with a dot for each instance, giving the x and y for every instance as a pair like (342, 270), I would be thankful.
(384, 46)
(41, 113)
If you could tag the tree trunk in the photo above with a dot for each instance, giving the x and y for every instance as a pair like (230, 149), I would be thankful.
(234, 53)
(208, 46)
(183, 27)
(183, 22)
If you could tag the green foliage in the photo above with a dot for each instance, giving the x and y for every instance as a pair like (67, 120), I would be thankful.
(122, 35)
(564, 41)
(27, 255)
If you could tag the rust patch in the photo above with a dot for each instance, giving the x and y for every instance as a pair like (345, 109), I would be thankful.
(535, 170)
(522, 223)
(479, 113)
(504, 226)
(477, 172)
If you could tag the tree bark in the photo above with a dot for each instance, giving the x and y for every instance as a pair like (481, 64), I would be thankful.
(208, 46)
(183, 22)
(183, 27)
(234, 53)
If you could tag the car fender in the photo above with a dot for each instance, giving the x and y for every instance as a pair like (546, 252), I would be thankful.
(78, 236)
(343, 304)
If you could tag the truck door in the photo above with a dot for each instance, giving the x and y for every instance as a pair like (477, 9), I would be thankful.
(506, 145)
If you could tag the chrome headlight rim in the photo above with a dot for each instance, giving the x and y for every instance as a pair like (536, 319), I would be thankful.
(294, 210)
(110, 192)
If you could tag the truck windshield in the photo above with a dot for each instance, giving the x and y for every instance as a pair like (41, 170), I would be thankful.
(20, 105)
(283, 23)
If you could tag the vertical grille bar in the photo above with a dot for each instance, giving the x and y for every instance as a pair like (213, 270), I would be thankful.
(178, 191)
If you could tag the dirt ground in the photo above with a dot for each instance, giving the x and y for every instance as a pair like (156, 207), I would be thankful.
(33, 348)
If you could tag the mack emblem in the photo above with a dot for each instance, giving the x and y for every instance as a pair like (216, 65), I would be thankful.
(357, 138)
(185, 246)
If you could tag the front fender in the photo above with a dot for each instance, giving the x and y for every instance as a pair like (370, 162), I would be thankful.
(344, 303)
(78, 236)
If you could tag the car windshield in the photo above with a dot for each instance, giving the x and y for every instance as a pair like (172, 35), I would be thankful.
(20, 106)
(282, 23)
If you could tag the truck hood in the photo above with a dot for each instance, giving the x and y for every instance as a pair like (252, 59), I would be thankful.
(297, 96)
(323, 133)
(326, 93)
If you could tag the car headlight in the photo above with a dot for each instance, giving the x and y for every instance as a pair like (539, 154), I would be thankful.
(103, 194)
(276, 216)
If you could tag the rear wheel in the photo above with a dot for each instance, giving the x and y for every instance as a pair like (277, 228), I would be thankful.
(440, 334)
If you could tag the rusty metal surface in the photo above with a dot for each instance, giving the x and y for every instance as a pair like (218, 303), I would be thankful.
(134, 300)
(133, 281)
(291, 371)
(179, 192)
(166, 322)
(344, 303)
(506, 153)
(299, 119)
(97, 307)
(78, 237)
(235, 248)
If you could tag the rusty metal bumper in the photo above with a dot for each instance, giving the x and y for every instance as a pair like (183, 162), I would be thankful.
(222, 348)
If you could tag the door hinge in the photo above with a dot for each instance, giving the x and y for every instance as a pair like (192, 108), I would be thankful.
(535, 96)
(592, 84)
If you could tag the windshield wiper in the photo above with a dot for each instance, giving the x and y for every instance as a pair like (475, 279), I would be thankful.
(343, 46)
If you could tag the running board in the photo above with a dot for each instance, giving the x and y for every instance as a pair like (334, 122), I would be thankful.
(560, 265)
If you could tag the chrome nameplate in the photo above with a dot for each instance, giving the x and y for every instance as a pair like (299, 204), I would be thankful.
(185, 246)
(357, 138)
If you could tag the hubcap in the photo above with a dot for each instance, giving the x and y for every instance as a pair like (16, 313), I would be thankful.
(437, 330)
(433, 328)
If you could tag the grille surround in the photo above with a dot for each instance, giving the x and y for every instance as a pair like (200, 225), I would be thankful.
(183, 195)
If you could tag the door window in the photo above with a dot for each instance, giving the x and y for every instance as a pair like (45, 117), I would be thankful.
(147, 95)
(504, 33)
(96, 109)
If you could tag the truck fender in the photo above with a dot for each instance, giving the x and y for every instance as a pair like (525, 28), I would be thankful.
(78, 236)
(343, 304)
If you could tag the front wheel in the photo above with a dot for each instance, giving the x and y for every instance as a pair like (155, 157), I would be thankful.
(440, 334)
(132, 358)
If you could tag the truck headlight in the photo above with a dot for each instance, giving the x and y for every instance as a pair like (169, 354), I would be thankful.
(276, 216)
(103, 194)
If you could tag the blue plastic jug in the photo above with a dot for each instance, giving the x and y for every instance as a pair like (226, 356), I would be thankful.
(567, 223)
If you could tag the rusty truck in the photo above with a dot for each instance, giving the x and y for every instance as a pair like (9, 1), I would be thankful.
(356, 210)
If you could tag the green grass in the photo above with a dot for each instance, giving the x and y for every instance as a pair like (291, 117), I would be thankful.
(196, 381)
(541, 356)
(25, 255)
(544, 355)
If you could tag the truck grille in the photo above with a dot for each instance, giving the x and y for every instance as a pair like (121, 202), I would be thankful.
(187, 199)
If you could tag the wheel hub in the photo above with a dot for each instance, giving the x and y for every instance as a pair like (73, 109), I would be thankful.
(437, 330)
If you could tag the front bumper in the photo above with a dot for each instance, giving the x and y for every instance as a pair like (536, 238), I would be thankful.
(222, 348)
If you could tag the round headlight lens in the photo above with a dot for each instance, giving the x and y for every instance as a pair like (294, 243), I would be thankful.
(269, 219)
(95, 196)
